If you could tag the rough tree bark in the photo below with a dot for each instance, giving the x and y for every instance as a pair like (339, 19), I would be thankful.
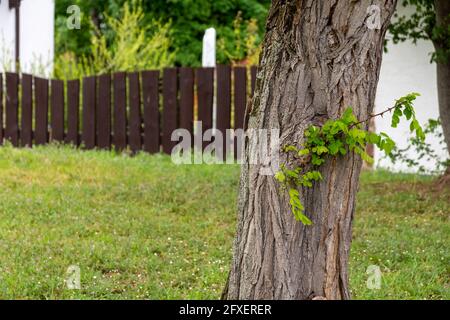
(442, 8)
(319, 57)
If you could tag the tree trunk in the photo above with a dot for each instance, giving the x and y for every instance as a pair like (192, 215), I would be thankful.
(319, 57)
(443, 71)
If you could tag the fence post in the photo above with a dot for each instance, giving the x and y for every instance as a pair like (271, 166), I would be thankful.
(12, 108)
(104, 112)
(135, 130)
(205, 96)
(224, 105)
(150, 88)
(253, 73)
(120, 111)
(170, 106)
(41, 121)
(26, 130)
(187, 99)
(73, 112)
(1, 109)
(57, 110)
(89, 106)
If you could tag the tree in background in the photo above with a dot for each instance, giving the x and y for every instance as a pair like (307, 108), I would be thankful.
(122, 43)
(243, 46)
(189, 20)
(431, 21)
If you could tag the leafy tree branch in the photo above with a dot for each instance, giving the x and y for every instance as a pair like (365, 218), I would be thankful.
(337, 138)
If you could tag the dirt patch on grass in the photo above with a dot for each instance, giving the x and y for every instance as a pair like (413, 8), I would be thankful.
(443, 183)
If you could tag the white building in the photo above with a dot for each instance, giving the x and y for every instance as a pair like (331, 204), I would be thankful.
(406, 68)
(35, 39)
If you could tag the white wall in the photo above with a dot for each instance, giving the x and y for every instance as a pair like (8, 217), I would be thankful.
(406, 68)
(7, 35)
(36, 35)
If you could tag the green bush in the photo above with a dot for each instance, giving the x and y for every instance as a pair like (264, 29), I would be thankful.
(189, 20)
(242, 45)
(131, 43)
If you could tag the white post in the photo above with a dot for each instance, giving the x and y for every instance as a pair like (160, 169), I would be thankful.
(209, 60)
(209, 48)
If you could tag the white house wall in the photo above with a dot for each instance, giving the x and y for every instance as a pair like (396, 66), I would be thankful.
(36, 35)
(7, 35)
(406, 68)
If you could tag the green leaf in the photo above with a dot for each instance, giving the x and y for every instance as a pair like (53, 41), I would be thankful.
(291, 173)
(290, 148)
(299, 216)
(280, 176)
(317, 161)
(334, 147)
(374, 138)
(293, 193)
(348, 117)
(366, 157)
(408, 112)
(303, 152)
(359, 150)
(321, 149)
(342, 126)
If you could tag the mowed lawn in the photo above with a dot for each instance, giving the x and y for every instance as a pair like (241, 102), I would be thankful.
(143, 228)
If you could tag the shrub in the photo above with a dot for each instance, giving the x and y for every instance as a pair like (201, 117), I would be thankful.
(243, 44)
(129, 45)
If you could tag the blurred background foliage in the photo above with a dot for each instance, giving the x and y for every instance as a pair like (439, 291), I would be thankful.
(129, 44)
(178, 24)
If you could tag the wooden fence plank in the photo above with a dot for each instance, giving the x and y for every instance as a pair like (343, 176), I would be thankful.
(57, 110)
(169, 108)
(89, 107)
(223, 121)
(104, 112)
(240, 96)
(73, 112)
(12, 108)
(41, 120)
(135, 130)
(253, 72)
(1, 110)
(205, 95)
(187, 99)
(150, 88)
(26, 128)
(240, 101)
(120, 111)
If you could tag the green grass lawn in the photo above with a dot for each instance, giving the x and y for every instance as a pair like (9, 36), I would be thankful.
(142, 227)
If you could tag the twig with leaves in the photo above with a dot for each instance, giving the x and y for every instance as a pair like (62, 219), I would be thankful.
(337, 138)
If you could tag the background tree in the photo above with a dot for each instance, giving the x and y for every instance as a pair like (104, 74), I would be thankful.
(318, 58)
(189, 19)
(125, 43)
(431, 21)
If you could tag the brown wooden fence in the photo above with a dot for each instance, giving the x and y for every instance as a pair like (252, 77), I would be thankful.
(137, 110)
